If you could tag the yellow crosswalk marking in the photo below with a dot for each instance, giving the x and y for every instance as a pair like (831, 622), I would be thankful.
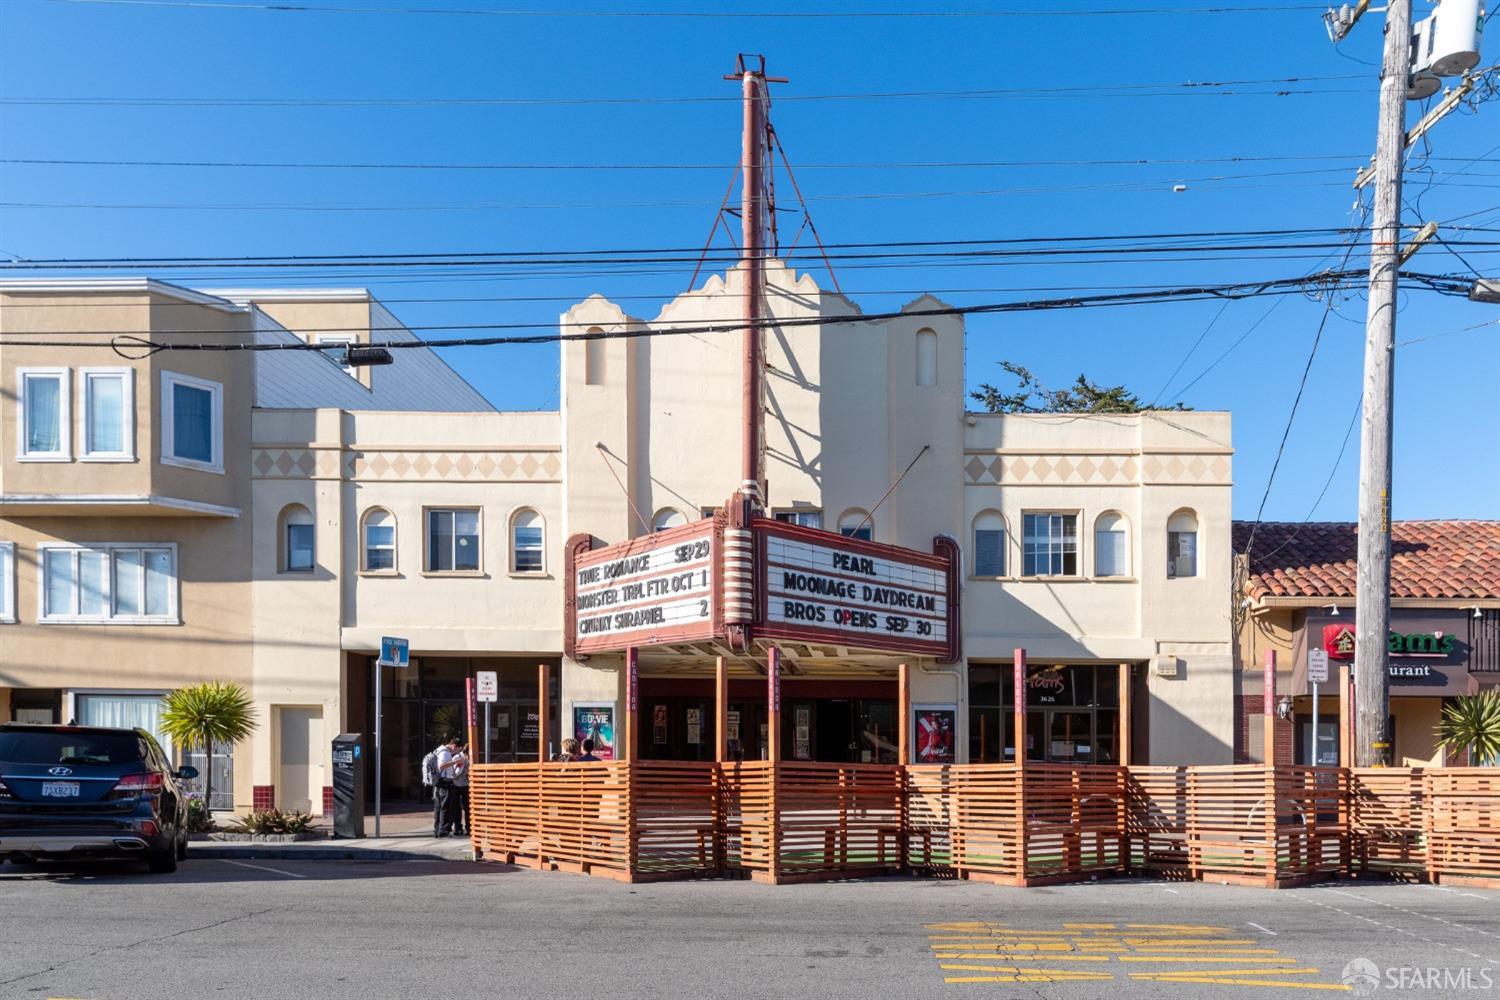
(1241, 959)
(993, 956)
(1184, 927)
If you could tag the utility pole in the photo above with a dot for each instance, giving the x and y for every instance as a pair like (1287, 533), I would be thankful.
(1373, 588)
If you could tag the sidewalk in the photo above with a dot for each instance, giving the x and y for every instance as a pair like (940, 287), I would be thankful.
(406, 834)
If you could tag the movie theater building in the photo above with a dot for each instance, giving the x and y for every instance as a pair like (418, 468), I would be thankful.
(1298, 596)
(1098, 543)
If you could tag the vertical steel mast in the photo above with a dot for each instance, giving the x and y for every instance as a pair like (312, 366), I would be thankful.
(753, 154)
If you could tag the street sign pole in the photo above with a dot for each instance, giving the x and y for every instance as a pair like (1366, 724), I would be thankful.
(393, 653)
(1317, 672)
(378, 755)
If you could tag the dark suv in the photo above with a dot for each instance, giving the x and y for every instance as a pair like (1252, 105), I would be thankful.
(90, 792)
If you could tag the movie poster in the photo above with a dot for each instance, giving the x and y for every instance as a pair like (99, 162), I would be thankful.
(596, 721)
(935, 734)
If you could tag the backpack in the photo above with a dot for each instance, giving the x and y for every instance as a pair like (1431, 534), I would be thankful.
(429, 769)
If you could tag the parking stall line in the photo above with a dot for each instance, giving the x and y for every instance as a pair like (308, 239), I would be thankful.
(262, 868)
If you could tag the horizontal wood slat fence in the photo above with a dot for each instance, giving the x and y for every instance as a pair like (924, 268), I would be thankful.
(1037, 824)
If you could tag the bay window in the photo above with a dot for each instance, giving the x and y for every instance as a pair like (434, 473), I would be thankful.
(192, 425)
(108, 584)
(43, 428)
(108, 418)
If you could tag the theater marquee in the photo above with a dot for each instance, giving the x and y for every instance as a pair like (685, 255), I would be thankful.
(655, 589)
(816, 586)
(811, 586)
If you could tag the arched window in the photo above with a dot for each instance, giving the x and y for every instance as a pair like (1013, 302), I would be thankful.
(927, 358)
(378, 541)
(668, 517)
(593, 359)
(989, 544)
(1182, 544)
(855, 523)
(526, 542)
(1111, 545)
(298, 542)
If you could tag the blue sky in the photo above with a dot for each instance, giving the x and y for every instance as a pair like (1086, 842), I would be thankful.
(1446, 421)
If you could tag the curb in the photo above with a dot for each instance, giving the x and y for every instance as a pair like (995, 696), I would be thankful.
(292, 852)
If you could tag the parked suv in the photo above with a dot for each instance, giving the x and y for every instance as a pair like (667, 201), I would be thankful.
(90, 792)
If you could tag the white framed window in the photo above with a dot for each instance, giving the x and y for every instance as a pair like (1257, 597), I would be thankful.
(107, 430)
(856, 523)
(7, 583)
(339, 358)
(668, 517)
(1111, 545)
(807, 517)
(120, 710)
(989, 544)
(192, 422)
(299, 553)
(379, 541)
(1182, 545)
(123, 583)
(44, 431)
(1049, 544)
(528, 542)
(453, 540)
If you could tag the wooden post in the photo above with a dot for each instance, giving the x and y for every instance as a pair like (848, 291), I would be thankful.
(1020, 706)
(721, 710)
(632, 704)
(1269, 719)
(543, 709)
(1021, 865)
(903, 719)
(1126, 733)
(773, 757)
(773, 705)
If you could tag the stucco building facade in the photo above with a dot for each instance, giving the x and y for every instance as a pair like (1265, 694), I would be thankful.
(275, 514)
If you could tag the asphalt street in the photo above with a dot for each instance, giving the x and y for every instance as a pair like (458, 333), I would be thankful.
(446, 930)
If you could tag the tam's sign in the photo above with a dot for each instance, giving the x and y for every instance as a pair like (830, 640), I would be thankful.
(1338, 641)
(655, 589)
(821, 587)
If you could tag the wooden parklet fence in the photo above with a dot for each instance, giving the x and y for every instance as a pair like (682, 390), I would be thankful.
(1037, 824)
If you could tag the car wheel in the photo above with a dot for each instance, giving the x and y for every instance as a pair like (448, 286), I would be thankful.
(162, 862)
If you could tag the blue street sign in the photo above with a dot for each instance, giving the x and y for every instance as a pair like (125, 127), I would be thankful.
(394, 652)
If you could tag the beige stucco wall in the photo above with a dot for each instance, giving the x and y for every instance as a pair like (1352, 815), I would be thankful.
(1145, 467)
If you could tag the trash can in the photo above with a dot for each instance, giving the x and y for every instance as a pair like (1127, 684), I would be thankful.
(348, 785)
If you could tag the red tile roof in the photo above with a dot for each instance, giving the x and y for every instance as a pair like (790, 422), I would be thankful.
(1429, 559)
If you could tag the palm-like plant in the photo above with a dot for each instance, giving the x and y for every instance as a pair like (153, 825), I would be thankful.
(1472, 722)
(202, 716)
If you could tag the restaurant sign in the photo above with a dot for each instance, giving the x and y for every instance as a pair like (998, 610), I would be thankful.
(653, 589)
(1426, 650)
(817, 586)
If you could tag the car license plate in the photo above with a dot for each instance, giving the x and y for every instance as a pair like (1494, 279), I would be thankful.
(60, 789)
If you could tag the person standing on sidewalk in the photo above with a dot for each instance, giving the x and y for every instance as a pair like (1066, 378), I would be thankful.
(461, 827)
(442, 788)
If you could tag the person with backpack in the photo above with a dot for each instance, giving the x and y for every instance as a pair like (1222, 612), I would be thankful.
(437, 771)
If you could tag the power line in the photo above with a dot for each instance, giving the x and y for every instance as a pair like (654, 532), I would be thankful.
(1250, 289)
(1240, 251)
(698, 14)
(1183, 88)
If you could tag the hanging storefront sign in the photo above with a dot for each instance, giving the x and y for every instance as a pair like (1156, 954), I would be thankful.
(802, 733)
(596, 721)
(936, 730)
(659, 725)
(1427, 650)
(817, 586)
